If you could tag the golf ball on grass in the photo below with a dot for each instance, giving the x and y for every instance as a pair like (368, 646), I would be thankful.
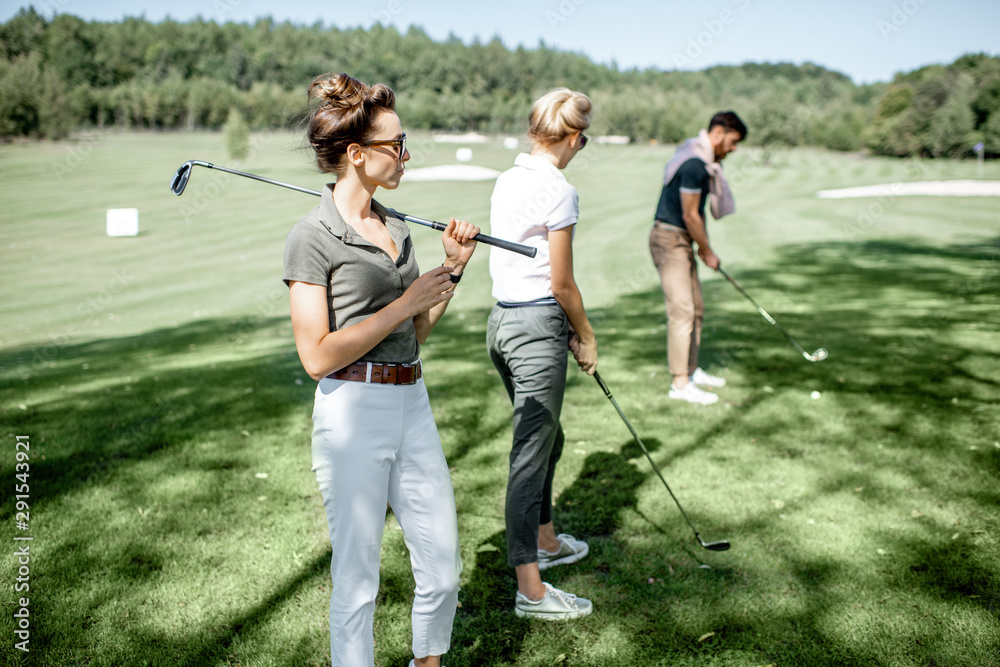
(815, 395)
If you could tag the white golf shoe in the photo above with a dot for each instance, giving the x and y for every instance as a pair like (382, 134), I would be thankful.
(703, 379)
(557, 605)
(570, 551)
(692, 394)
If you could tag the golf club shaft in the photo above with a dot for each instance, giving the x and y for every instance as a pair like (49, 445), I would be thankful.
(765, 315)
(527, 251)
(607, 392)
(255, 177)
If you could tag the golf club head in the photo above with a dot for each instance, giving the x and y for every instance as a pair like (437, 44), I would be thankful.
(718, 545)
(180, 179)
(819, 355)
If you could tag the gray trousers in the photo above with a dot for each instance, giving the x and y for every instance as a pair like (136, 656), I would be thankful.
(528, 346)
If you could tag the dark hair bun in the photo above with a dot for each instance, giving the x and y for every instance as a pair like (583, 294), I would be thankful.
(343, 112)
(340, 91)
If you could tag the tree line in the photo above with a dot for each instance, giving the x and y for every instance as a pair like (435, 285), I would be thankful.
(61, 74)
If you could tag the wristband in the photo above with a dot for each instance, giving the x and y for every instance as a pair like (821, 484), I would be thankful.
(453, 278)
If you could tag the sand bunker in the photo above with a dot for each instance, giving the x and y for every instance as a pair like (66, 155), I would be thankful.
(918, 188)
(451, 172)
(467, 138)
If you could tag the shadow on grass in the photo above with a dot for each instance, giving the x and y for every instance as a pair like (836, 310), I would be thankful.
(486, 630)
(101, 404)
(109, 419)
(912, 333)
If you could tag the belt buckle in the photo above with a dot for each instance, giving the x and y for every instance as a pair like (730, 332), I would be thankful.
(414, 371)
(400, 377)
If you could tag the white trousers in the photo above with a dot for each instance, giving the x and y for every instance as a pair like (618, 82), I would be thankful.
(375, 444)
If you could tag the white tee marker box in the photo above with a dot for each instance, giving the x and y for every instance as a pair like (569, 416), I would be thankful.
(123, 222)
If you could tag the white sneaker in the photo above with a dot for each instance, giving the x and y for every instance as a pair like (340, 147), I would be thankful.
(692, 394)
(557, 605)
(703, 379)
(570, 551)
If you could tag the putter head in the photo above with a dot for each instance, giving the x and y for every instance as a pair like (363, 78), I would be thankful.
(819, 355)
(180, 179)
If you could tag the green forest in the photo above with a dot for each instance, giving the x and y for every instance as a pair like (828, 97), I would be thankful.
(62, 74)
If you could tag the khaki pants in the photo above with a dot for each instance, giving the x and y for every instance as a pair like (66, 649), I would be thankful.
(674, 259)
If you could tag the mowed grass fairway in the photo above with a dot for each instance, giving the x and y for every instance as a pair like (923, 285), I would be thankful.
(157, 382)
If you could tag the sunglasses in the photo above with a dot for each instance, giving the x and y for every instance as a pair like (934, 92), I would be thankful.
(583, 141)
(400, 145)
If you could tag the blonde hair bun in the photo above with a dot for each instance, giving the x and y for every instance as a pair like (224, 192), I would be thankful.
(558, 113)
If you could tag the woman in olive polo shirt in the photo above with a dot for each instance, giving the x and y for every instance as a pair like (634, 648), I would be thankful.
(360, 310)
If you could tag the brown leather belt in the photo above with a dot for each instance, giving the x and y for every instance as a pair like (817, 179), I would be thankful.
(379, 373)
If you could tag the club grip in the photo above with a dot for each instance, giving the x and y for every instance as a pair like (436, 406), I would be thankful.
(520, 249)
(600, 381)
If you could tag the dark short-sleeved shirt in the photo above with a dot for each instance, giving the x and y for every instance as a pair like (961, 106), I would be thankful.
(692, 177)
(360, 278)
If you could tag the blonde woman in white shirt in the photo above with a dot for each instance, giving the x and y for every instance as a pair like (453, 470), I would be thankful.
(539, 313)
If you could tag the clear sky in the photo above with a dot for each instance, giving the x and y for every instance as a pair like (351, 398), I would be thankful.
(869, 40)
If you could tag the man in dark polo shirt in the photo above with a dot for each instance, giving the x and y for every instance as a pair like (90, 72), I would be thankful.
(692, 177)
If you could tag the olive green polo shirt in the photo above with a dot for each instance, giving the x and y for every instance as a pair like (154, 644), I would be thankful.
(360, 278)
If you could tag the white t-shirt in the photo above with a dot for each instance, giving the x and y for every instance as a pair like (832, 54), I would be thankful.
(529, 200)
